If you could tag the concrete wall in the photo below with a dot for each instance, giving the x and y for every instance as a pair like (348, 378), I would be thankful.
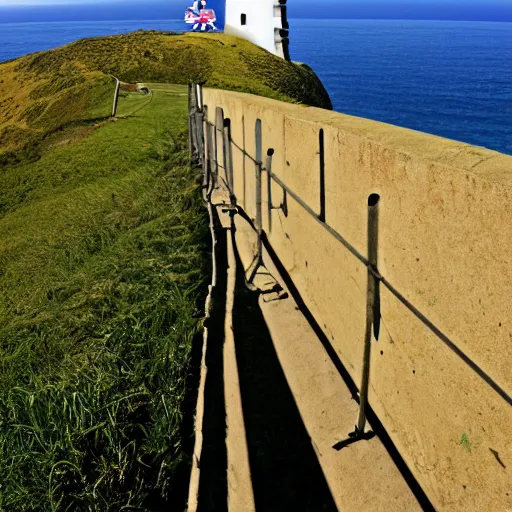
(445, 241)
(263, 23)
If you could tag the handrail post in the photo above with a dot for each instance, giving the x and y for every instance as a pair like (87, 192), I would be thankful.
(199, 123)
(207, 150)
(371, 311)
(259, 208)
(200, 138)
(210, 132)
(199, 96)
(218, 139)
(258, 214)
(193, 130)
(190, 141)
(116, 98)
(322, 175)
(258, 261)
(228, 161)
(268, 168)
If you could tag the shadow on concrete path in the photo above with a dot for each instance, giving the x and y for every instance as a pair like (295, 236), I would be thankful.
(213, 485)
(286, 474)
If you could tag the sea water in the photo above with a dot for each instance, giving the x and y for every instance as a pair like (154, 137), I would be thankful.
(452, 79)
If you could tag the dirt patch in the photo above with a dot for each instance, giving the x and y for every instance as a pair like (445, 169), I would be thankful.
(129, 87)
(70, 135)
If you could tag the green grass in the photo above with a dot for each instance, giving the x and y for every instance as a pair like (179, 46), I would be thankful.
(102, 274)
(43, 93)
(103, 264)
(217, 60)
(89, 102)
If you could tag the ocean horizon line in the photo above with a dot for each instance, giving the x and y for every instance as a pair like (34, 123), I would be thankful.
(180, 20)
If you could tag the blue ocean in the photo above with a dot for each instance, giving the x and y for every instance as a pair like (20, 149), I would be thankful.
(452, 79)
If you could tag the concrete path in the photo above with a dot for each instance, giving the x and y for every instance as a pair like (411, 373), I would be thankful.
(240, 492)
(285, 407)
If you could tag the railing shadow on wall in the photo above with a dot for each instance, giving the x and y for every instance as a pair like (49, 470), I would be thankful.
(206, 139)
(375, 279)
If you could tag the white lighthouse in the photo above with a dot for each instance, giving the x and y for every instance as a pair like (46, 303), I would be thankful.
(263, 22)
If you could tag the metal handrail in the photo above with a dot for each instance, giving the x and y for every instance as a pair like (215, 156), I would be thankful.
(373, 271)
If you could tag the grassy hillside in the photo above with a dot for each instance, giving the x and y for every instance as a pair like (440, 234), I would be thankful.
(103, 264)
(102, 272)
(42, 93)
(217, 60)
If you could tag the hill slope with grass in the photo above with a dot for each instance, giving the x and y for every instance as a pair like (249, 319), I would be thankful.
(104, 265)
(42, 93)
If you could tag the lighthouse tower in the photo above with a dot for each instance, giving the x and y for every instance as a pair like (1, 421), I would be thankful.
(263, 22)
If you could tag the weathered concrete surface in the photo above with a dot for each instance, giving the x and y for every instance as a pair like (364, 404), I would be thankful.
(445, 241)
(193, 494)
(361, 476)
(240, 492)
